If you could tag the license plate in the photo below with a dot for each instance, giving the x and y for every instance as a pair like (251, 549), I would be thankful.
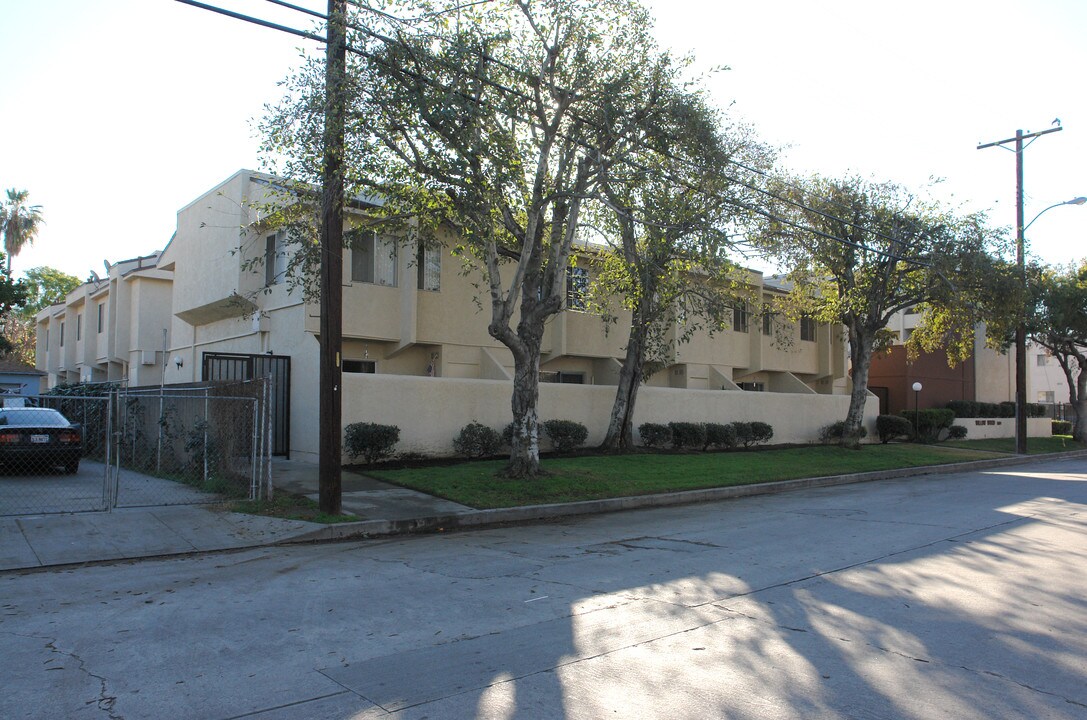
(39, 438)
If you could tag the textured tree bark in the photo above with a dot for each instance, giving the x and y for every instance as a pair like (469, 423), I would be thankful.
(524, 459)
(620, 435)
(861, 342)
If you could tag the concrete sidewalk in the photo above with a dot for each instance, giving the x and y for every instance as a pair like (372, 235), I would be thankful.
(28, 542)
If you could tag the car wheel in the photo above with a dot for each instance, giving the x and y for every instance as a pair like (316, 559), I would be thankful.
(72, 468)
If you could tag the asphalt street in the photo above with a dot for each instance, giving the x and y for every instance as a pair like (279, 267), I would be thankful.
(952, 596)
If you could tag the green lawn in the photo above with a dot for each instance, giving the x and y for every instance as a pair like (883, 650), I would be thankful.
(1035, 446)
(594, 477)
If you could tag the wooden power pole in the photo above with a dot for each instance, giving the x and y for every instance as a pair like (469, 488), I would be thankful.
(331, 400)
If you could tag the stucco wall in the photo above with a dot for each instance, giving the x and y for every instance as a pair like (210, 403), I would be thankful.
(430, 411)
(982, 428)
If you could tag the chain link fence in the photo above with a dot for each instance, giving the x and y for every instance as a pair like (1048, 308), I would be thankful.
(54, 455)
(138, 447)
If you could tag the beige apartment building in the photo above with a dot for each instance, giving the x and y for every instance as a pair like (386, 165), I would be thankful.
(109, 328)
(416, 352)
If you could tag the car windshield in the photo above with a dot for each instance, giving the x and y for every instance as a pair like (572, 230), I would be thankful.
(36, 417)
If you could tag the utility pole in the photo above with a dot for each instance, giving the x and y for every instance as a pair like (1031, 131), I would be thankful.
(331, 241)
(1020, 261)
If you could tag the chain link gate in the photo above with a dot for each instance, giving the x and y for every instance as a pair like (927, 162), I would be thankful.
(135, 448)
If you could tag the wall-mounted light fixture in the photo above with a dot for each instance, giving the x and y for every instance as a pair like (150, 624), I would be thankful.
(179, 361)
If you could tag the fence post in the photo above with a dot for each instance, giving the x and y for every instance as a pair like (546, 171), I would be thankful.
(255, 465)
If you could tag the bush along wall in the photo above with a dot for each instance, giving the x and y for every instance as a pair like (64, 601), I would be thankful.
(930, 424)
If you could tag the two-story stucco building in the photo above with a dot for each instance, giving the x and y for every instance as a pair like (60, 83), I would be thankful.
(416, 351)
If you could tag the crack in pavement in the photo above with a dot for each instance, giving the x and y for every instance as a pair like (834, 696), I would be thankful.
(104, 701)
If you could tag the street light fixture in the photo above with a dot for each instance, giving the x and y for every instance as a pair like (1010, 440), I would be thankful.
(1074, 201)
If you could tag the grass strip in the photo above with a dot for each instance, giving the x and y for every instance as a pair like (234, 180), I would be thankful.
(289, 507)
(594, 477)
(1035, 446)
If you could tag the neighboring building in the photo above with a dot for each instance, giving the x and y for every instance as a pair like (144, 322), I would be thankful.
(18, 378)
(987, 376)
(1047, 382)
(108, 328)
(416, 351)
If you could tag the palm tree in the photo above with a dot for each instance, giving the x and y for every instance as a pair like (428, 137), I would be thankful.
(19, 223)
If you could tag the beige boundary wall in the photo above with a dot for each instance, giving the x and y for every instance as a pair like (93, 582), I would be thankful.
(431, 411)
(982, 428)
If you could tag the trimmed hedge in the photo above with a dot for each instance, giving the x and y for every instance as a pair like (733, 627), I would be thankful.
(566, 435)
(1006, 409)
(1062, 427)
(371, 440)
(930, 424)
(688, 435)
(835, 433)
(719, 435)
(477, 440)
(890, 427)
(956, 432)
(655, 435)
(752, 433)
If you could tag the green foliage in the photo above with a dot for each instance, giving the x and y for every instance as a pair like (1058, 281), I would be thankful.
(956, 432)
(1062, 427)
(930, 423)
(688, 435)
(45, 286)
(859, 251)
(720, 435)
(964, 408)
(477, 440)
(836, 433)
(20, 223)
(370, 440)
(566, 435)
(750, 434)
(655, 435)
(890, 427)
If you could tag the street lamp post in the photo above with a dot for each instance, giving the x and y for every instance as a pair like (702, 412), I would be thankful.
(916, 410)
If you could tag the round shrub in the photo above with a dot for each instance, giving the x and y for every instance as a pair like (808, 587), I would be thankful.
(752, 433)
(371, 440)
(890, 427)
(477, 440)
(835, 433)
(956, 432)
(1062, 427)
(688, 434)
(719, 435)
(566, 435)
(655, 435)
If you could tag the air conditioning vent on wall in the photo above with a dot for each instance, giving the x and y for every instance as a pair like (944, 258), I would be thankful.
(147, 357)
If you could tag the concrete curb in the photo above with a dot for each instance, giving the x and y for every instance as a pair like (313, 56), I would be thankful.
(528, 513)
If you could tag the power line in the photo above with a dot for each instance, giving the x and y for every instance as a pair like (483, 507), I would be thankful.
(503, 88)
(254, 20)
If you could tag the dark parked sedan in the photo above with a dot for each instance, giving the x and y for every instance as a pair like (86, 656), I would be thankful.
(39, 438)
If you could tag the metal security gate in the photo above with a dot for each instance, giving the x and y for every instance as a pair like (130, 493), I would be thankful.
(238, 367)
(146, 447)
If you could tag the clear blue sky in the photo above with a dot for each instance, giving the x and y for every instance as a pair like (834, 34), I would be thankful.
(116, 113)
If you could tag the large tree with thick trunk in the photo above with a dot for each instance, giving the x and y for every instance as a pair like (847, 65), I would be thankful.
(667, 208)
(488, 120)
(1059, 324)
(858, 252)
